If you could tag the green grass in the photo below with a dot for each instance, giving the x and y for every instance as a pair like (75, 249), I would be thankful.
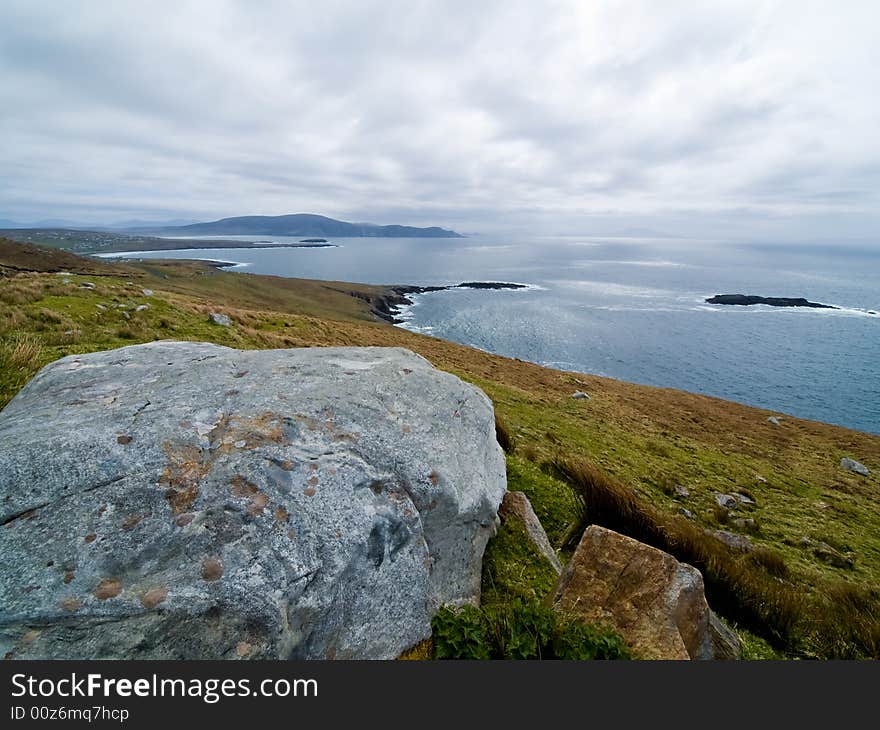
(514, 569)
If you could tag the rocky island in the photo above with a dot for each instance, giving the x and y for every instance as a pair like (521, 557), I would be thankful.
(749, 299)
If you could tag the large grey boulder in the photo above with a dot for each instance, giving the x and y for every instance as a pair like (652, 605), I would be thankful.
(184, 500)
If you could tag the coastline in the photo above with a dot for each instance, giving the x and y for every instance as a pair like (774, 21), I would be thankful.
(388, 307)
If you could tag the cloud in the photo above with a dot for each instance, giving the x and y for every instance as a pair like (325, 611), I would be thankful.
(744, 118)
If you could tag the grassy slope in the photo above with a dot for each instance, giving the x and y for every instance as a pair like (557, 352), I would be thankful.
(649, 438)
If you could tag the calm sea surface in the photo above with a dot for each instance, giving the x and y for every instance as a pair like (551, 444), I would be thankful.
(633, 309)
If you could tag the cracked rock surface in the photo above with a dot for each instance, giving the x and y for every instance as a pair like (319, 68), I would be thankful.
(185, 500)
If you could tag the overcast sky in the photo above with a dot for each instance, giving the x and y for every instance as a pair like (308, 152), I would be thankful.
(742, 118)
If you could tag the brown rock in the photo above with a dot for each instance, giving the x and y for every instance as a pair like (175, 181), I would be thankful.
(516, 506)
(654, 601)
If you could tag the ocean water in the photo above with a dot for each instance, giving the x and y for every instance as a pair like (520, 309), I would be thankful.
(633, 309)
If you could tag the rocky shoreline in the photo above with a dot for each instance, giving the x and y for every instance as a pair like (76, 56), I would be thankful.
(387, 306)
(749, 299)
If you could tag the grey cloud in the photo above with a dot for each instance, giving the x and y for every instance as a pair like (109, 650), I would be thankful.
(746, 118)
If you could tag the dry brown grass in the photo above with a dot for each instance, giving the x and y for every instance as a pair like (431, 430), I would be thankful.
(22, 351)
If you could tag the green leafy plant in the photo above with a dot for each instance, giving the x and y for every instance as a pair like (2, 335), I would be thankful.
(521, 630)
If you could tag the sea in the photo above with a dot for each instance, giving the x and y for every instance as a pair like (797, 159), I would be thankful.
(633, 309)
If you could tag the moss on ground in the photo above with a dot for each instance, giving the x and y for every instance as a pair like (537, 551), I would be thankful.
(513, 568)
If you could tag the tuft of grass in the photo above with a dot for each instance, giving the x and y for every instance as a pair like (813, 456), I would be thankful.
(22, 351)
(721, 515)
(770, 561)
(846, 622)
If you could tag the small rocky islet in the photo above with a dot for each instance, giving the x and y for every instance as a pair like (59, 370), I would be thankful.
(750, 299)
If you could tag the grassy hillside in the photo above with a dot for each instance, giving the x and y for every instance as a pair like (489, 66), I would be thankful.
(641, 441)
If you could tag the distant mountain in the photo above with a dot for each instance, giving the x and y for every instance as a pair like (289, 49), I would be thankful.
(298, 224)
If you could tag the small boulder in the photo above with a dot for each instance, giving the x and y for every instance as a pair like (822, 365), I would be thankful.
(141, 307)
(775, 420)
(742, 498)
(686, 513)
(736, 542)
(147, 292)
(746, 523)
(580, 395)
(827, 554)
(681, 492)
(728, 501)
(854, 466)
(87, 285)
(654, 601)
(222, 319)
(516, 506)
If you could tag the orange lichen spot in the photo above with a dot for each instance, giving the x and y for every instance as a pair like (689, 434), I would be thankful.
(154, 597)
(241, 487)
(406, 428)
(281, 514)
(71, 604)
(309, 491)
(131, 522)
(91, 537)
(108, 588)
(242, 649)
(30, 636)
(212, 569)
(186, 467)
(124, 439)
(69, 576)
(184, 519)
(434, 477)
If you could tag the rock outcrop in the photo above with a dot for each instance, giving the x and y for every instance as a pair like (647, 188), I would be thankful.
(516, 506)
(655, 602)
(184, 500)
